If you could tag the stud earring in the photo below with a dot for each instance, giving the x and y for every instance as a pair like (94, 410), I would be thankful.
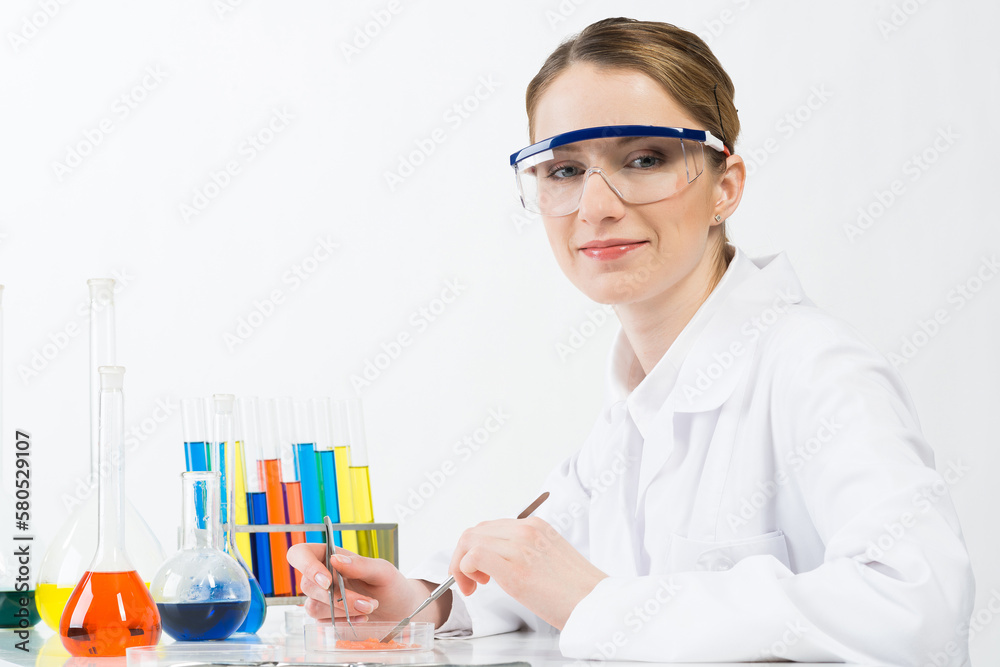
(718, 218)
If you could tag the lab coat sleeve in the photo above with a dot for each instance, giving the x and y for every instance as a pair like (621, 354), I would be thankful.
(489, 610)
(895, 585)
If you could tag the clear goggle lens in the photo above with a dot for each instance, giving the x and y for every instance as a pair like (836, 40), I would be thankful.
(640, 170)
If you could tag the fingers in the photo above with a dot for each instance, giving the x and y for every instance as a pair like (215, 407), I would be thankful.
(309, 560)
(321, 612)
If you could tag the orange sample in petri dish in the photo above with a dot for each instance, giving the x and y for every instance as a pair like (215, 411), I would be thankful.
(372, 644)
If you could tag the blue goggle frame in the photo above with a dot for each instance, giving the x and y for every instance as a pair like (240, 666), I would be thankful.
(608, 131)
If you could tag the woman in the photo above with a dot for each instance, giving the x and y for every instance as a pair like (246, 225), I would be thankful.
(757, 485)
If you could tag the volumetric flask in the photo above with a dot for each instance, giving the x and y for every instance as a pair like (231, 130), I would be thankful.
(68, 556)
(110, 609)
(201, 592)
(224, 456)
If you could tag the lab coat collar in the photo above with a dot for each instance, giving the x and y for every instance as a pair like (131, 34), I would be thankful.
(703, 366)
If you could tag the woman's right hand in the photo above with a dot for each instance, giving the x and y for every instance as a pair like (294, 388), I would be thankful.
(376, 589)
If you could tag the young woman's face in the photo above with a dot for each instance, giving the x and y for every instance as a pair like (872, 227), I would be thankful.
(656, 248)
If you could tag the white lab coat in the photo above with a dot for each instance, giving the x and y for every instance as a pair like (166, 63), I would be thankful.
(765, 492)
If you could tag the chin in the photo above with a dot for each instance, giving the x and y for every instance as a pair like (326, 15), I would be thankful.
(612, 289)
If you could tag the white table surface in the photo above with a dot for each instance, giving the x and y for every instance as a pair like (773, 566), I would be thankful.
(541, 650)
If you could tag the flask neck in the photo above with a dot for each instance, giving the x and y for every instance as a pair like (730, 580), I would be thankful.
(200, 510)
(111, 555)
(102, 353)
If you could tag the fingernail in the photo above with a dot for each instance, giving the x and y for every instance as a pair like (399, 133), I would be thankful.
(364, 606)
(323, 580)
(342, 558)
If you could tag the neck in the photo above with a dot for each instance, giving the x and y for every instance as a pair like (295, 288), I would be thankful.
(653, 325)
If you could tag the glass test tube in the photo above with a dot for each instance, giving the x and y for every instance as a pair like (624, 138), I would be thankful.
(224, 449)
(260, 543)
(326, 464)
(290, 477)
(241, 510)
(342, 463)
(306, 468)
(269, 468)
(196, 456)
(360, 483)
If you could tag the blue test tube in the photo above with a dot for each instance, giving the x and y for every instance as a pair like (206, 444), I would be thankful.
(305, 467)
(326, 462)
(260, 545)
(195, 427)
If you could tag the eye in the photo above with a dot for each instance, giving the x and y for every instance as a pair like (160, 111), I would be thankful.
(645, 161)
(563, 171)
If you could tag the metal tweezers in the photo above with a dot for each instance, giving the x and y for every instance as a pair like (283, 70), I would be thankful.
(330, 550)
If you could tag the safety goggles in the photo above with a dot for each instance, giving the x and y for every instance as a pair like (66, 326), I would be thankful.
(640, 163)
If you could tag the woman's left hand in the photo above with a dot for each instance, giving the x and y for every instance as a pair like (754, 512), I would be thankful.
(530, 561)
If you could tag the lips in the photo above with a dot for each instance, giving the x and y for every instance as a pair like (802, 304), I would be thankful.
(607, 249)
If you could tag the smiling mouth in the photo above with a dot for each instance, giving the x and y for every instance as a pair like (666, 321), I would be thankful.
(610, 249)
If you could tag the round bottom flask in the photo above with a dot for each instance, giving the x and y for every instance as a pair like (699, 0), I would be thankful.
(201, 592)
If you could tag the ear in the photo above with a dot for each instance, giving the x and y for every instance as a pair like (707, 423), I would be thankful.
(729, 188)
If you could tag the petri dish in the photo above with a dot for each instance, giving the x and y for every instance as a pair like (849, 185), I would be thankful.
(229, 652)
(327, 637)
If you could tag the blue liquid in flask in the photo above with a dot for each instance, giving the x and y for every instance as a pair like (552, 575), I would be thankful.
(196, 621)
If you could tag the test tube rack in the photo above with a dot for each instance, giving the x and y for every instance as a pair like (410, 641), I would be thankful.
(387, 535)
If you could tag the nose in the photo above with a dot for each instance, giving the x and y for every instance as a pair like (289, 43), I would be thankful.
(600, 199)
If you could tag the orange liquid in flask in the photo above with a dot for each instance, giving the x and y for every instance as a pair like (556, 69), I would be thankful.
(107, 613)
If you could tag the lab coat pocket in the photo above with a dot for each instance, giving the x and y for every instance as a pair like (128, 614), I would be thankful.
(686, 554)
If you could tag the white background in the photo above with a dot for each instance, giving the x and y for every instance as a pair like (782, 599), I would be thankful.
(883, 79)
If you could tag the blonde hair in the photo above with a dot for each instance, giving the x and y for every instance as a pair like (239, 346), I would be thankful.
(678, 60)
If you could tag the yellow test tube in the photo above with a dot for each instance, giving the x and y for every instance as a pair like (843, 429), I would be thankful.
(361, 493)
(342, 463)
